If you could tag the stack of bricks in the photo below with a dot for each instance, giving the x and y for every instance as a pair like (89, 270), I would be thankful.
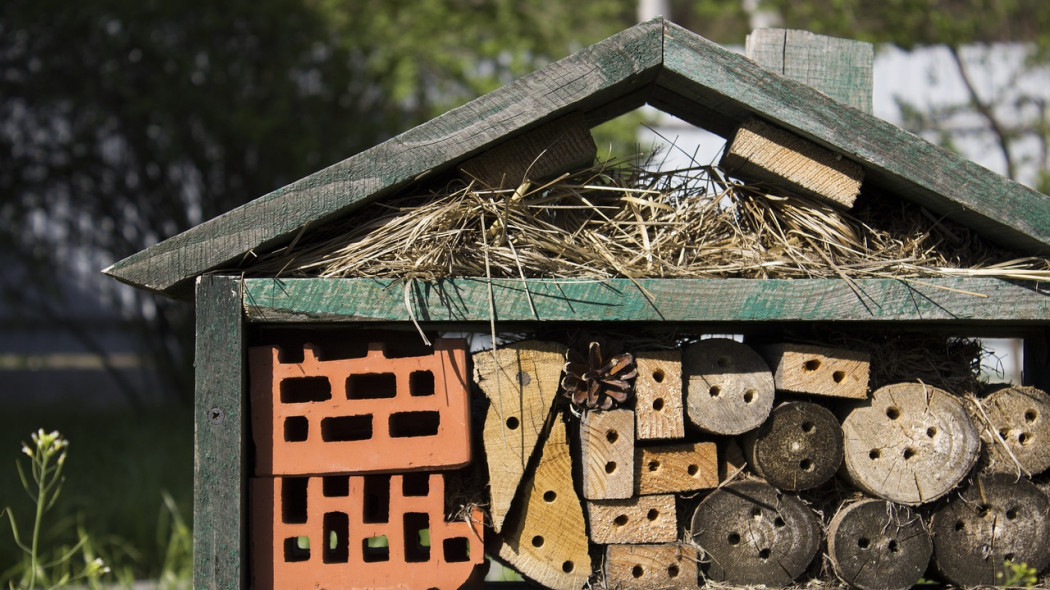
(347, 491)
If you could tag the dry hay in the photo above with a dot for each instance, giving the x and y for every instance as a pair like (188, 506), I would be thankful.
(626, 220)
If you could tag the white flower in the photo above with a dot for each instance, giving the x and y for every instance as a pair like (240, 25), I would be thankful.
(27, 450)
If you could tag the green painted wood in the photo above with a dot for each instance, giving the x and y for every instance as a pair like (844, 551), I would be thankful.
(840, 68)
(585, 81)
(732, 88)
(621, 300)
(220, 476)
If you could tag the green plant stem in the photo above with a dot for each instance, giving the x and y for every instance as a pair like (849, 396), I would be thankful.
(40, 503)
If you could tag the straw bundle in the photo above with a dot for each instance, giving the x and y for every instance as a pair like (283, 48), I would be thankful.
(625, 220)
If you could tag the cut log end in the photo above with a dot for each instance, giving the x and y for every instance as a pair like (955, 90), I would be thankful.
(1015, 425)
(729, 388)
(798, 448)
(877, 545)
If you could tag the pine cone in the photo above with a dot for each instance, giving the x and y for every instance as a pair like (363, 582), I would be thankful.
(595, 383)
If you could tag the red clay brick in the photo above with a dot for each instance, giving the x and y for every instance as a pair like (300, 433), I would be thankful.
(339, 514)
(360, 415)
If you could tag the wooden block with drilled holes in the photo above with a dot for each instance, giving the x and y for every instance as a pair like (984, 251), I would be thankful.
(642, 519)
(520, 380)
(763, 153)
(658, 391)
(675, 468)
(650, 567)
(818, 370)
(607, 454)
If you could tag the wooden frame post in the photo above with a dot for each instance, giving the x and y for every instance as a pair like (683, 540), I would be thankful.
(219, 483)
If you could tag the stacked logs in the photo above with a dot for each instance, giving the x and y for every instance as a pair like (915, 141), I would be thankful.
(712, 470)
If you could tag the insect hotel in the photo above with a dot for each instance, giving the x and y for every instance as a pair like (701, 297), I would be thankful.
(479, 342)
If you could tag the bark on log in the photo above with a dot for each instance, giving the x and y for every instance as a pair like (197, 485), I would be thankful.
(997, 519)
(798, 448)
(729, 388)
(1015, 424)
(754, 534)
(878, 545)
(911, 443)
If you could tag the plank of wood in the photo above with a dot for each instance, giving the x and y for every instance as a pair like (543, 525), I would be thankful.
(546, 540)
(521, 382)
(728, 387)
(840, 68)
(878, 545)
(911, 444)
(732, 88)
(556, 147)
(651, 567)
(607, 454)
(675, 468)
(679, 300)
(762, 153)
(659, 413)
(798, 448)
(818, 370)
(641, 519)
(219, 444)
(585, 81)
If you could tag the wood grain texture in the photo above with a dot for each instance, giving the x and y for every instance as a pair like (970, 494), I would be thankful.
(728, 387)
(1014, 423)
(642, 519)
(675, 468)
(584, 81)
(607, 454)
(659, 411)
(521, 381)
(732, 88)
(798, 448)
(759, 152)
(878, 545)
(546, 541)
(219, 443)
(651, 567)
(683, 300)
(818, 370)
(840, 68)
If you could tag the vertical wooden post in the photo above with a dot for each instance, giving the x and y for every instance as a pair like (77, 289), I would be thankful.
(219, 496)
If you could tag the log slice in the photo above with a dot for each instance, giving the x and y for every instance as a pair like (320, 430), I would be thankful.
(996, 519)
(1016, 424)
(878, 545)
(729, 388)
(799, 447)
(910, 444)
(754, 534)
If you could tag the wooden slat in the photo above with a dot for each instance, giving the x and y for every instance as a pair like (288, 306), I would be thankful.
(584, 81)
(732, 88)
(694, 300)
(220, 475)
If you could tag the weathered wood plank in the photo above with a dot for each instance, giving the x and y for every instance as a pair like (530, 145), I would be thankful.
(584, 81)
(840, 68)
(220, 477)
(725, 300)
(732, 88)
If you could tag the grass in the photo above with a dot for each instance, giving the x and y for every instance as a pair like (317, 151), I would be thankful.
(120, 466)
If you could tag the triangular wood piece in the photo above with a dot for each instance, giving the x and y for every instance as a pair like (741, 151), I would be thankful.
(520, 380)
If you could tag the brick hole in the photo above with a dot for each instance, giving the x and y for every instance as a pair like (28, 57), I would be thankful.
(421, 383)
(415, 484)
(371, 386)
(302, 390)
(417, 537)
(346, 428)
(293, 500)
(838, 376)
(811, 365)
(658, 404)
(637, 571)
(672, 571)
(513, 423)
(296, 429)
(337, 536)
(456, 549)
(612, 436)
(549, 496)
(568, 566)
(413, 424)
(658, 375)
(296, 549)
(377, 499)
(375, 549)
(620, 520)
(335, 486)
(290, 355)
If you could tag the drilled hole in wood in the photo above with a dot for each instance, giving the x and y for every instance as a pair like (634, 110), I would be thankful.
(693, 469)
(637, 571)
(653, 465)
(1009, 557)
(568, 566)
(1024, 438)
(715, 391)
(893, 412)
(959, 525)
(549, 496)
(863, 542)
(724, 361)
(931, 431)
(763, 554)
(806, 465)
(610, 467)
(811, 365)
(1030, 416)
(658, 404)
(673, 571)
(653, 514)
(838, 376)
(612, 436)
(1004, 433)
(513, 423)
(874, 454)
(1011, 514)
(779, 522)
(908, 453)
(537, 541)
(749, 396)
(620, 520)
(756, 513)
(808, 427)
(893, 546)
(658, 375)
(733, 538)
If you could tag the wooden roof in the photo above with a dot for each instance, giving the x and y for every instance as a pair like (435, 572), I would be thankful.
(656, 63)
